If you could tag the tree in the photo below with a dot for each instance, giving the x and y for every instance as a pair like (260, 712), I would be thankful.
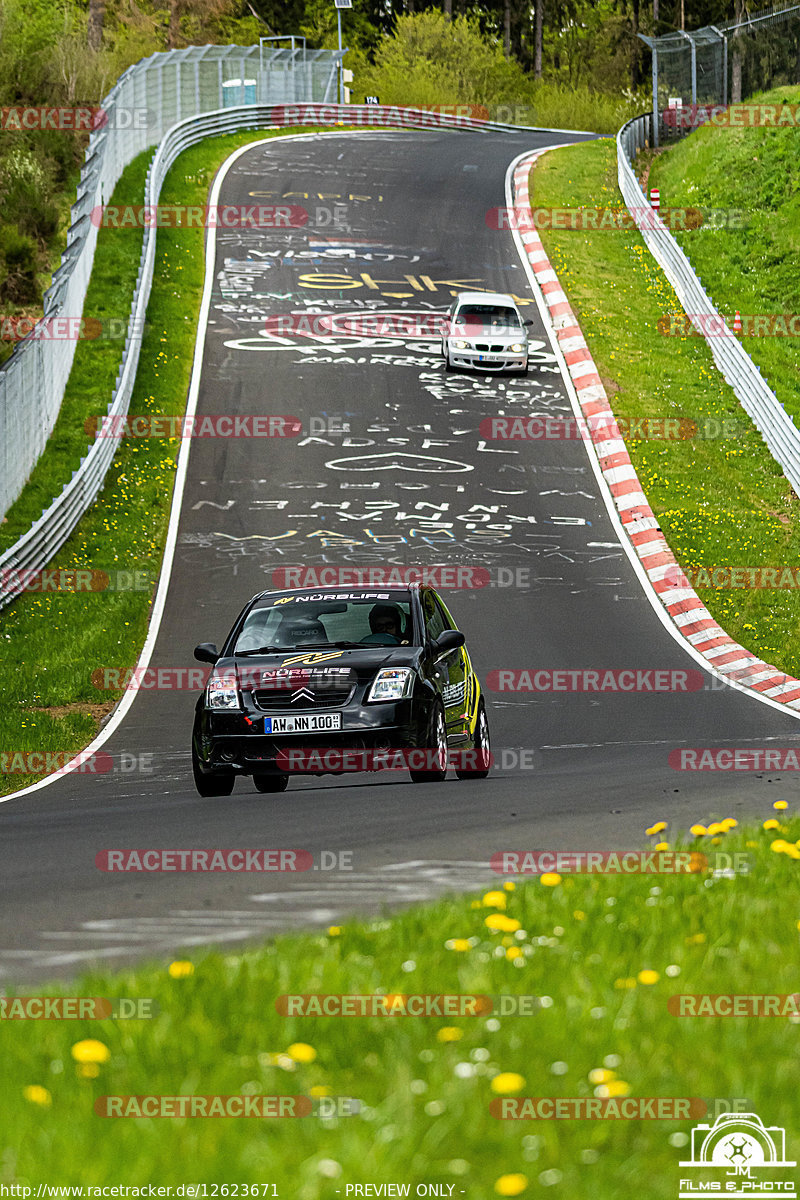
(97, 13)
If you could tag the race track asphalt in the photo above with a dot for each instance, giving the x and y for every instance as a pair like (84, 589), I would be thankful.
(390, 468)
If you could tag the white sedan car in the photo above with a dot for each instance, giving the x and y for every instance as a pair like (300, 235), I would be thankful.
(485, 331)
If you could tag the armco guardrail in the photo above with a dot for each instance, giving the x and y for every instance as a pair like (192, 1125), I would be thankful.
(756, 397)
(36, 547)
(145, 102)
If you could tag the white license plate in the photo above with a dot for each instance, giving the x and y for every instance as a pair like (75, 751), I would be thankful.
(299, 723)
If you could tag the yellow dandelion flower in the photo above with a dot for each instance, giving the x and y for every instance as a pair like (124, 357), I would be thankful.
(771, 824)
(88, 1070)
(511, 1185)
(662, 846)
(319, 1089)
(90, 1051)
(334, 930)
(601, 1075)
(579, 914)
(513, 952)
(509, 885)
(449, 1033)
(460, 944)
(624, 983)
(500, 922)
(616, 1087)
(494, 900)
(780, 804)
(301, 1052)
(550, 879)
(507, 1082)
(180, 969)
(698, 830)
(36, 1094)
(647, 976)
(659, 827)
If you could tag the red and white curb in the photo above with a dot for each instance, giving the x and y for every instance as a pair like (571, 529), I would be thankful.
(684, 606)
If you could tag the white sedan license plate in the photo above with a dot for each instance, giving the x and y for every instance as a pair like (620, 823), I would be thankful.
(299, 723)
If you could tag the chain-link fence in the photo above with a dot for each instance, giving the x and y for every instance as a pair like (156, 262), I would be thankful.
(723, 64)
(146, 101)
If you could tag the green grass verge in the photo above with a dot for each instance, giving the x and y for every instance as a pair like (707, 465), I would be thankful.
(604, 954)
(756, 271)
(53, 641)
(719, 501)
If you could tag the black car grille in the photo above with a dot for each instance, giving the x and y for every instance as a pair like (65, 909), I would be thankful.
(486, 346)
(298, 700)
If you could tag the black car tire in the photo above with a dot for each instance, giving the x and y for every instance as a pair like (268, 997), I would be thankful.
(437, 741)
(480, 745)
(271, 783)
(211, 783)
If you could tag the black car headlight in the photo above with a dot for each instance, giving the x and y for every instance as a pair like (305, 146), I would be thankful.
(223, 692)
(392, 683)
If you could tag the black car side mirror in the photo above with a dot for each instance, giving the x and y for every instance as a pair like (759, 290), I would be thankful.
(206, 652)
(528, 321)
(450, 639)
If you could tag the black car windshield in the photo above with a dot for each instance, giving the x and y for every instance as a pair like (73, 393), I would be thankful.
(483, 318)
(293, 623)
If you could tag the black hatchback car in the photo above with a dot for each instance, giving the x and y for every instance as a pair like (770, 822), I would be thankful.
(315, 682)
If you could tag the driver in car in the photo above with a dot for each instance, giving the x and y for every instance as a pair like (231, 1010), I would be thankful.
(386, 625)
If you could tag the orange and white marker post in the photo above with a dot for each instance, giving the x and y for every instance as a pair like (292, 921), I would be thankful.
(655, 199)
(737, 322)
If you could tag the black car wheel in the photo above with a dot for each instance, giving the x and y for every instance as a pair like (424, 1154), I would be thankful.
(211, 783)
(480, 753)
(436, 749)
(271, 783)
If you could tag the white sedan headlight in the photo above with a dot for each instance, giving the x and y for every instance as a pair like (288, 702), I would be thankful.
(461, 345)
(223, 691)
(517, 347)
(392, 683)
